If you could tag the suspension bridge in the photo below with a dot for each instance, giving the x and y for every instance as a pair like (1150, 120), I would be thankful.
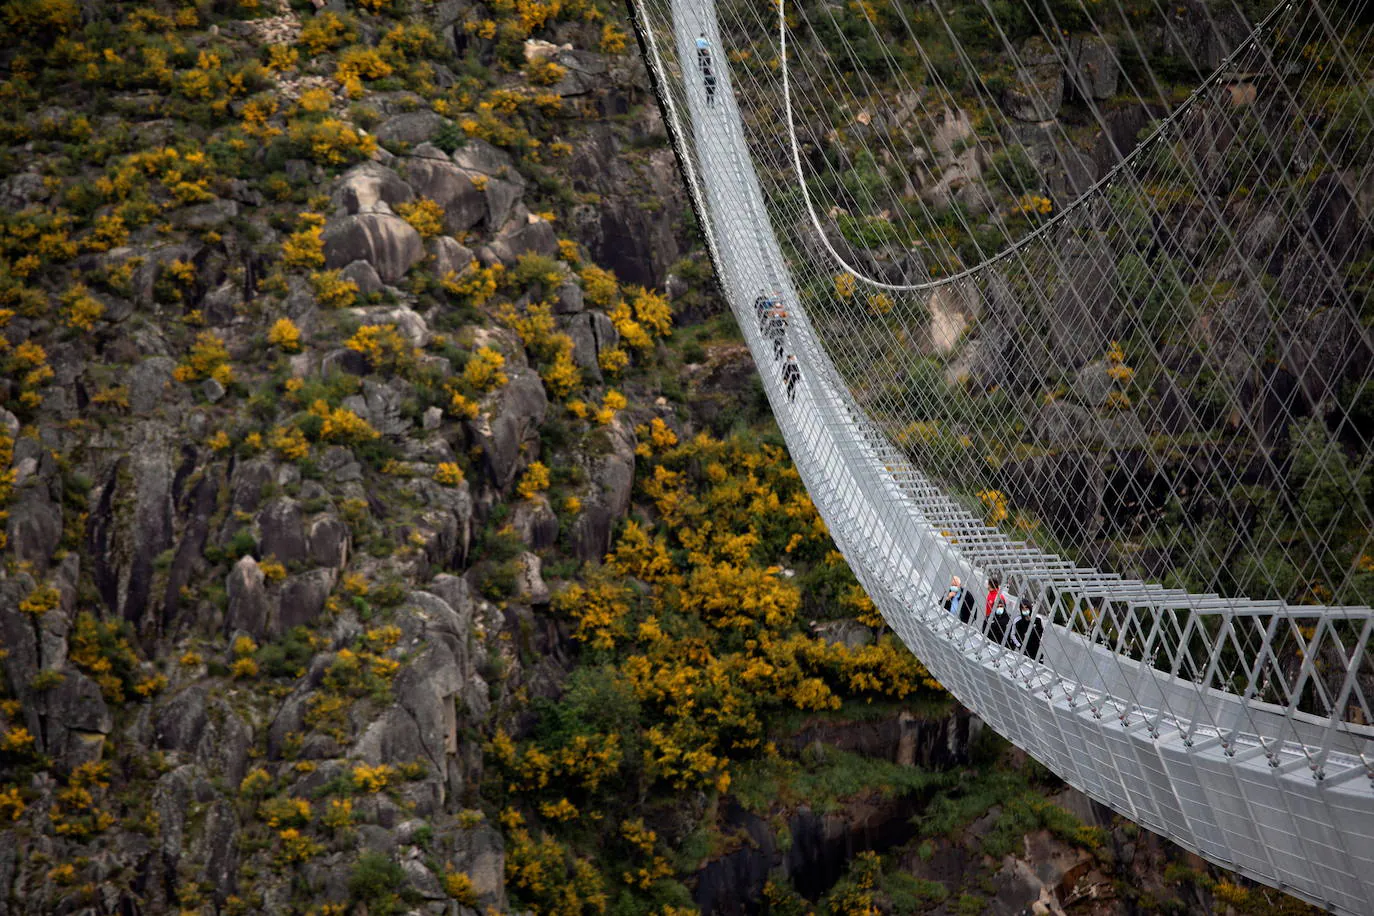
(1217, 708)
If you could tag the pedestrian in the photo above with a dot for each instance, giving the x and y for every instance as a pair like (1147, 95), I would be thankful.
(761, 307)
(994, 594)
(999, 620)
(709, 79)
(957, 600)
(791, 372)
(777, 330)
(1028, 630)
(703, 51)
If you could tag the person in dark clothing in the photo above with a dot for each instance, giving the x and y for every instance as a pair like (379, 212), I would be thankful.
(761, 306)
(998, 623)
(777, 330)
(709, 80)
(791, 373)
(1028, 629)
(958, 601)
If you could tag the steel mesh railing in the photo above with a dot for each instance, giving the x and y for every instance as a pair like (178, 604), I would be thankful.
(1238, 728)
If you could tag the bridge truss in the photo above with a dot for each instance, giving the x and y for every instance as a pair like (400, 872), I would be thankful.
(1236, 727)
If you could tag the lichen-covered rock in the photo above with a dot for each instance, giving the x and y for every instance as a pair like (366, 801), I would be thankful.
(411, 127)
(449, 256)
(532, 235)
(150, 382)
(380, 405)
(250, 608)
(370, 188)
(1038, 89)
(34, 527)
(282, 531)
(510, 426)
(181, 719)
(529, 582)
(76, 720)
(303, 598)
(328, 540)
(612, 482)
(451, 188)
(364, 275)
(535, 523)
(387, 242)
(1093, 70)
(591, 333)
(132, 522)
(409, 324)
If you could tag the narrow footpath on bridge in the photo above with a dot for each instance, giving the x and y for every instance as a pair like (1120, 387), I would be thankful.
(1220, 774)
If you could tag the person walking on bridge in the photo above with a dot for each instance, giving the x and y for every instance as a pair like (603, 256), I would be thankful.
(704, 64)
(958, 601)
(777, 330)
(791, 373)
(999, 622)
(1027, 631)
(761, 306)
(994, 595)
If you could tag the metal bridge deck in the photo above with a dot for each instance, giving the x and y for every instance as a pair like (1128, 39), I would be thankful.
(1221, 774)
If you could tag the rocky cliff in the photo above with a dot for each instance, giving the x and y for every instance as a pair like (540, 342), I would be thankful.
(377, 539)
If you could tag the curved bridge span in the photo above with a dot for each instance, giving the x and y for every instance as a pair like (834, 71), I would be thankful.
(1156, 702)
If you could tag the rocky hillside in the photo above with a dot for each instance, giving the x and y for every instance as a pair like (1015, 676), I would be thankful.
(392, 523)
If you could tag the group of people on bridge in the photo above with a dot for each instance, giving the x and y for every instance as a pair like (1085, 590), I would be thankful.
(1024, 633)
(772, 319)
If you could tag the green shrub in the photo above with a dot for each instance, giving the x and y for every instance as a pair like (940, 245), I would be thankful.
(375, 880)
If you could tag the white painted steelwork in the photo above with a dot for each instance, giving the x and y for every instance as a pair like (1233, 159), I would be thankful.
(1130, 699)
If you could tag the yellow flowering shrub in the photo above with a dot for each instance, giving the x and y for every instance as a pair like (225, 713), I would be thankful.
(459, 886)
(357, 64)
(285, 336)
(12, 805)
(613, 39)
(208, 359)
(534, 481)
(544, 72)
(339, 424)
(373, 779)
(330, 141)
(332, 290)
(323, 32)
(426, 216)
(290, 443)
(599, 286)
(315, 101)
(383, 347)
(485, 370)
(305, 247)
(844, 286)
(475, 284)
(448, 474)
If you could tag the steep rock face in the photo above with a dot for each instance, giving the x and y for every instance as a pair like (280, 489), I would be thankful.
(132, 523)
(451, 188)
(638, 245)
(611, 474)
(370, 188)
(387, 242)
(511, 426)
(411, 128)
(1080, 328)
(1039, 87)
